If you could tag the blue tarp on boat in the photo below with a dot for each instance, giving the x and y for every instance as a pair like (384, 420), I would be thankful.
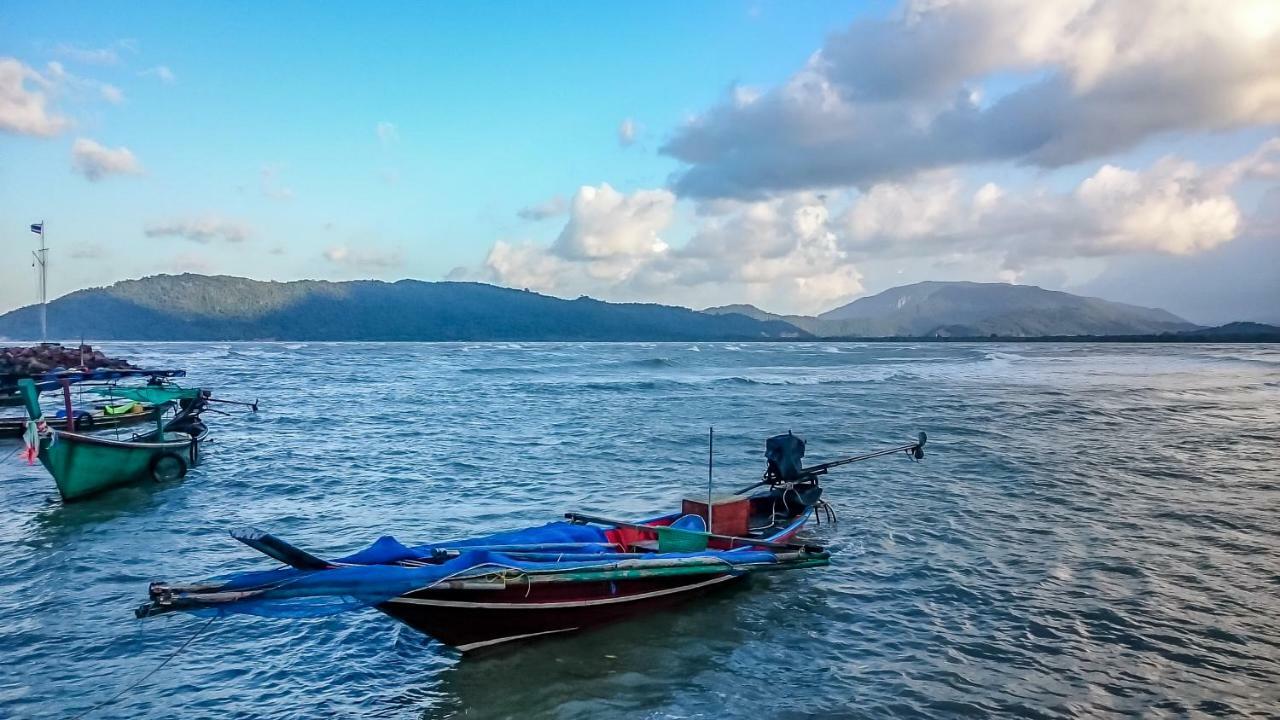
(365, 579)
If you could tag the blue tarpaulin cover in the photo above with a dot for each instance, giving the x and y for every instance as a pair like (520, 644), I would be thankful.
(365, 578)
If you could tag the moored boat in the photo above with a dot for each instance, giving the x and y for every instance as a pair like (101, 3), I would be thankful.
(101, 416)
(541, 581)
(84, 465)
(54, 380)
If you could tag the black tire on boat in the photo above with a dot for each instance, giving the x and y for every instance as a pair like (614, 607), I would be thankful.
(168, 466)
(85, 421)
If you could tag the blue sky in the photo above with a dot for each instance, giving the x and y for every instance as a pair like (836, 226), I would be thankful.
(254, 148)
(495, 107)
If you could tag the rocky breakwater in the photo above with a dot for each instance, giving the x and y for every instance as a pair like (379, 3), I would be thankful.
(45, 357)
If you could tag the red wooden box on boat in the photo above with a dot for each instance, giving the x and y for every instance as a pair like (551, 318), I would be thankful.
(729, 514)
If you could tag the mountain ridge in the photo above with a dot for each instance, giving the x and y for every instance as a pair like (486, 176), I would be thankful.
(202, 307)
(221, 307)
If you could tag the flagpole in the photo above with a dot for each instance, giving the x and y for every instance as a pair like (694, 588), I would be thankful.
(44, 287)
(42, 259)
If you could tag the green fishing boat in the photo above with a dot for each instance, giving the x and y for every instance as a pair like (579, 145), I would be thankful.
(85, 465)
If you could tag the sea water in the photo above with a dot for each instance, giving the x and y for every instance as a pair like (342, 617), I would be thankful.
(1095, 532)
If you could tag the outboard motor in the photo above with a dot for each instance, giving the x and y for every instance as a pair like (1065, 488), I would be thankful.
(784, 453)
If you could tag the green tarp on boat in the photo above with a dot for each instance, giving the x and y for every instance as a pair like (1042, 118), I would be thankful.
(152, 395)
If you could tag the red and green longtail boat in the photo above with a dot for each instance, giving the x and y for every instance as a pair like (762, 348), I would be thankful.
(542, 581)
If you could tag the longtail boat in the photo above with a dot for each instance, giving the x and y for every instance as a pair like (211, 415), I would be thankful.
(105, 415)
(542, 581)
(54, 379)
(84, 465)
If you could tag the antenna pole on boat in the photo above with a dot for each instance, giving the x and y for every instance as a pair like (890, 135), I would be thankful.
(42, 260)
(711, 444)
(70, 426)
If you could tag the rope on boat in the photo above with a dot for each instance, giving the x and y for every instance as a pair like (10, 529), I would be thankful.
(146, 677)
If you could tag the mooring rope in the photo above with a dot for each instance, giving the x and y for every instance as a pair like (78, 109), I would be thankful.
(146, 677)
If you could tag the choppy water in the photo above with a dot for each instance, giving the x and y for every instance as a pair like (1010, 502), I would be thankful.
(1096, 532)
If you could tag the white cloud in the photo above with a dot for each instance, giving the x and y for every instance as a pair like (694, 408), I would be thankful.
(549, 209)
(1171, 208)
(24, 110)
(202, 229)
(1261, 164)
(1168, 209)
(891, 97)
(369, 259)
(1233, 281)
(161, 73)
(627, 132)
(608, 237)
(387, 133)
(604, 223)
(88, 55)
(803, 252)
(272, 186)
(780, 253)
(96, 161)
(111, 94)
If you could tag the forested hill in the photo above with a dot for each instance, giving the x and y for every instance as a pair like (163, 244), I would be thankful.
(200, 307)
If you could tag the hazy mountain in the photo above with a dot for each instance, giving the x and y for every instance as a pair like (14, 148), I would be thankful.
(199, 307)
(975, 309)
(1237, 331)
(968, 309)
(805, 322)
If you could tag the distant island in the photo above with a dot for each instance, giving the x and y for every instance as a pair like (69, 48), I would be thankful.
(201, 307)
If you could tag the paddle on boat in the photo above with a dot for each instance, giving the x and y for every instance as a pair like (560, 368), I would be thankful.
(541, 581)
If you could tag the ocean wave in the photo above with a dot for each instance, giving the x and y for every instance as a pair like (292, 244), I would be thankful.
(1048, 540)
(1003, 356)
(655, 362)
(504, 370)
(1254, 359)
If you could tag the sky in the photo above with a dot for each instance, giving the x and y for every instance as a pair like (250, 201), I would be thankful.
(793, 155)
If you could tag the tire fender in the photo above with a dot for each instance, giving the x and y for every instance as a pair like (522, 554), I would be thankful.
(161, 462)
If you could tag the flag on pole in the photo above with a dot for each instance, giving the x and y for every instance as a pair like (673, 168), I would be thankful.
(37, 228)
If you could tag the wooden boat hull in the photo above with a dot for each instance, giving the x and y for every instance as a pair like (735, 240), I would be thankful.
(83, 465)
(469, 620)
